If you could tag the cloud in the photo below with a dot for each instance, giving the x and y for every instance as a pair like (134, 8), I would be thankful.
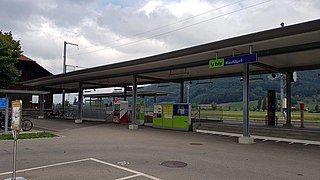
(150, 7)
(109, 31)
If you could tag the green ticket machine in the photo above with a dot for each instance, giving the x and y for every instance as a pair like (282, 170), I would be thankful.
(140, 108)
(172, 116)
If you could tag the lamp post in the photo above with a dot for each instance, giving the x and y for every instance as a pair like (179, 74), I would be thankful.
(65, 68)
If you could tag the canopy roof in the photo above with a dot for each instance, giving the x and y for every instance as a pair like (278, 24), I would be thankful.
(291, 48)
(11, 91)
(121, 94)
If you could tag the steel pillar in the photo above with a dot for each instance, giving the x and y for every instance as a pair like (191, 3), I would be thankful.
(246, 139)
(41, 97)
(125, 93)
(246, 100)
(181, 91)
(288, 96)
(80, 103)
(134, 94)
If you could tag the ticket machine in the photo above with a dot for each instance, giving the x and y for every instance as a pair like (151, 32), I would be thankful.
(120, 112)
(172, 116)
(140, 113)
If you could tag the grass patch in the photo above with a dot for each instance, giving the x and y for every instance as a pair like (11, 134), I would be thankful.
(312, 117)
(28, 135)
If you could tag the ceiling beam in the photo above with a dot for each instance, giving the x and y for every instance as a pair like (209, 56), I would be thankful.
(157, 79)
(267, 67)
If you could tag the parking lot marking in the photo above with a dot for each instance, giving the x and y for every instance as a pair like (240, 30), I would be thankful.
(290, 141)
(129, 177)
(136, 173)
(47, 166)
(125, 169)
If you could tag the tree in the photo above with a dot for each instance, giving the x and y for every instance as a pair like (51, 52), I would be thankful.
(10, 51)
(259, 105)
(316, 108)
(264, 104)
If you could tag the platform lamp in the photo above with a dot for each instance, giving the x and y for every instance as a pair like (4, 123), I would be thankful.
(65, 68)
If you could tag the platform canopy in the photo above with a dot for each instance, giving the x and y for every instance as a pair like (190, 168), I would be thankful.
(283, 49)
(12, 92)
(122, 94)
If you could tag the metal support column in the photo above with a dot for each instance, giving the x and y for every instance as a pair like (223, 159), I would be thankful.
(134, 94)
(246, 139)
(246, 100)
(282, 96)
(80, 103)
(288, 96)
(181, 91)
(64, 71)
(133, 124)
(41, 97)
(125, 93)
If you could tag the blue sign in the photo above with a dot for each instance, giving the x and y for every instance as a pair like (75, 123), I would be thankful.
(232, 60)
(3, 103)
(240, 59)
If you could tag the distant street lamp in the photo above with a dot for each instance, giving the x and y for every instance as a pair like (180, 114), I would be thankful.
(65, 68)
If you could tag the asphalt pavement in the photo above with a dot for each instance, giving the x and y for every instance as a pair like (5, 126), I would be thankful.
(97, 150)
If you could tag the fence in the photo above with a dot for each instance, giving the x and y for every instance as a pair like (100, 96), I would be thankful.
(206, 112)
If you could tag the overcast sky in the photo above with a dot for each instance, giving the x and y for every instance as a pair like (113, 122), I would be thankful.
(109, 31)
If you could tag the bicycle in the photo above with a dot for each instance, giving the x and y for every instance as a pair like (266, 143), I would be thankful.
(26, 124)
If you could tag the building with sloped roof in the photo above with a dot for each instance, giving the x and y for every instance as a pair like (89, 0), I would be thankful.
(29, 70)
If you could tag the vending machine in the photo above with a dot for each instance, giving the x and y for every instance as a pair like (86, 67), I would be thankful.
(140, 113)
(120, 112)
(172, 116)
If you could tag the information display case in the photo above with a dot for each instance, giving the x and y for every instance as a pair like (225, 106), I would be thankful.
(172, 116)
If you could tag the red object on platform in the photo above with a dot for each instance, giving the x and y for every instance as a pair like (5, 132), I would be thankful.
(115, 100)
(124, 118)
(301, 106)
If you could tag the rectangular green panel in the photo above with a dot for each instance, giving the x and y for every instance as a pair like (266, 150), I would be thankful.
(181, 122)
(157, 122)
(216, 63)
(141, 116)
(167, 111)
(167, 122)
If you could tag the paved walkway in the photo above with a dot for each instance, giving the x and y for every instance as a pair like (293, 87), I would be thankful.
(112, 151)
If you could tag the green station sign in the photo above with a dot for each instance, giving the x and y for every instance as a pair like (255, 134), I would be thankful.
(242, 59)
(216, 63)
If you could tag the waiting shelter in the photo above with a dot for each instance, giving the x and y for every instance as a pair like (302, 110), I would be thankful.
(282, 50)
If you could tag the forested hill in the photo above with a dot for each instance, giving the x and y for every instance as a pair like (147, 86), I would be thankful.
(230, 89)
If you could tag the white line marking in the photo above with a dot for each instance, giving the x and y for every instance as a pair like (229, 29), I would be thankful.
(129, 177)
(136, 173)
(47, 166)
(126, 169)
(263, 137)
